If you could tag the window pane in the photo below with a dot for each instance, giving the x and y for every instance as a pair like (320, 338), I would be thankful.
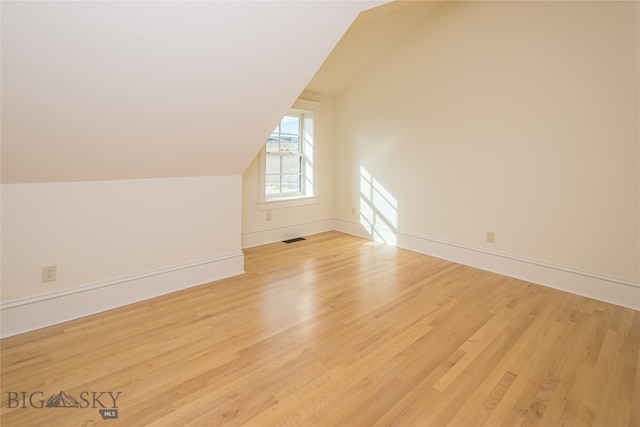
(291, 184)
(290, 144)
(290, 124)
(272, 144)
(273, 164)
(291, 164)
(272, 184)
(289, 155)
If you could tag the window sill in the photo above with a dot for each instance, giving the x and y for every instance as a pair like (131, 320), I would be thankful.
(287, 203)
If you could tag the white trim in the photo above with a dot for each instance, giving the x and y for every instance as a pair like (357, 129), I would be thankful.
(309, 177)
(45, 310)
(613, 290)
(287, 203)
(307, 104)
(266, 235)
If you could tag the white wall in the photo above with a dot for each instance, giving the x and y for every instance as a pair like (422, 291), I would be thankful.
(111, 236)
(513, 117)
(295, 221)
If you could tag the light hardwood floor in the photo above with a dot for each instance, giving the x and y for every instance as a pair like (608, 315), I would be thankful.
(336, 330)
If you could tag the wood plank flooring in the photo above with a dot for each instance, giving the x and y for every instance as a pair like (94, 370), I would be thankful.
(335, 330)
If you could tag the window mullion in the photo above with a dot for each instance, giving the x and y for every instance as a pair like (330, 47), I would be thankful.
(292, 168)
(281, 160)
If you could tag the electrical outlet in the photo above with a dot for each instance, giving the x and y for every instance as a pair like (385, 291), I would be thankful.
(491, 237)
(353, 211)
(49, 273)
(269, 216)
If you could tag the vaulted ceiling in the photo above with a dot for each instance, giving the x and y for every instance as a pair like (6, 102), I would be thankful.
(127, 90)
(372, 35)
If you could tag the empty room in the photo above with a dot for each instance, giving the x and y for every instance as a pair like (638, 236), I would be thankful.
(320, 213)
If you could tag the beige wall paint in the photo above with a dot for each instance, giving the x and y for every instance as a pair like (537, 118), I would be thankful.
(515, 117)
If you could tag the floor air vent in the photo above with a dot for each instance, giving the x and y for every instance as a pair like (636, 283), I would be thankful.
(297, 239)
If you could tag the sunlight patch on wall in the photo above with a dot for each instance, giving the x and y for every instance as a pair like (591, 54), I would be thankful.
(378, 209)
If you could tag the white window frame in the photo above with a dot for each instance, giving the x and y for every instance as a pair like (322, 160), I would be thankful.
(307, 195)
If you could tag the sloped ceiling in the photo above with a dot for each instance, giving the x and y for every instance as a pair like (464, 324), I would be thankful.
(121, 90)
(373, 33)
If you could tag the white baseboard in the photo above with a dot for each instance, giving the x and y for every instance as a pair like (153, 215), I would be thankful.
(265, 235)
(46, 310)
(612, 290)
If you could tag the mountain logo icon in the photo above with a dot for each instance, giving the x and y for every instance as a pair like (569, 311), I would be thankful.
(62, 400)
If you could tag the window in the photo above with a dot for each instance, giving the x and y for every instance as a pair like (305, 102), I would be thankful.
(288, 170)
